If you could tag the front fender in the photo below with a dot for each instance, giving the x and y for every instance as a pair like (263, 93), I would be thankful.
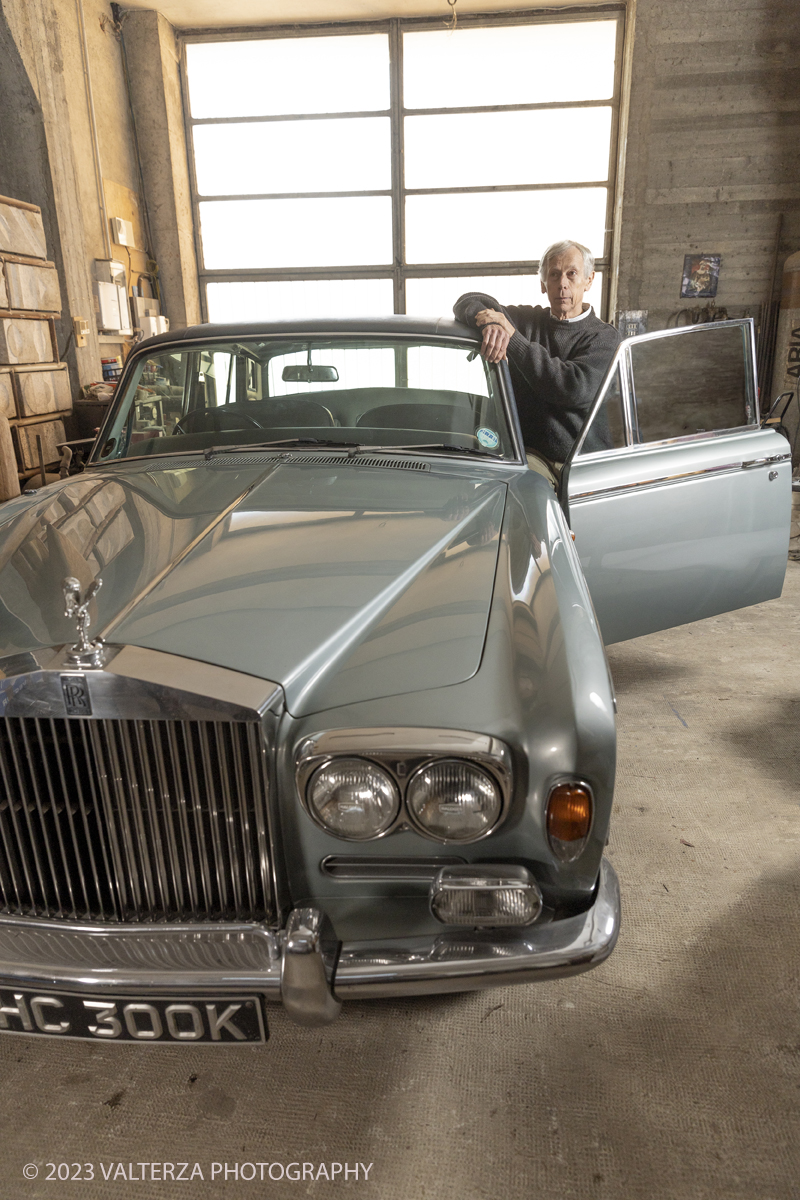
(543, 688)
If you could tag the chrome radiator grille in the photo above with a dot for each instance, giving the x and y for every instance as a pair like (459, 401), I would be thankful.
(133, 820)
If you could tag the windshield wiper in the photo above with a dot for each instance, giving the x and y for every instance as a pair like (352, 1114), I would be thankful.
(450, 447)
(352, 448)
(287, 443)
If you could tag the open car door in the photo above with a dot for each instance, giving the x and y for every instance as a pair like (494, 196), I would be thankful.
(685, 511)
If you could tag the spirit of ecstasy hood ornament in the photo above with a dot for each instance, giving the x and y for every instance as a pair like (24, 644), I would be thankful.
(84, 653)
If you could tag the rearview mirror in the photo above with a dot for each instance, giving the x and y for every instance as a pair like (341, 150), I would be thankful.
(309, 374)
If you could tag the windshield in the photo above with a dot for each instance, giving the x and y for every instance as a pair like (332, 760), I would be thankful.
(323, 391)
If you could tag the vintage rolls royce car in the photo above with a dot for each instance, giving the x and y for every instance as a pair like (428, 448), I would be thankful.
(304, 689)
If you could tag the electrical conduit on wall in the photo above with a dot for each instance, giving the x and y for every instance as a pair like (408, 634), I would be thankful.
(101, 197)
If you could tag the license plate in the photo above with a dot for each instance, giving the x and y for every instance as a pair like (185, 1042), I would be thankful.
(229, 1020)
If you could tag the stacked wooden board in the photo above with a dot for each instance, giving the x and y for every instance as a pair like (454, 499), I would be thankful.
(35, 394)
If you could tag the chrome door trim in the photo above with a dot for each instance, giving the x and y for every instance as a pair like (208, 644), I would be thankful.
(759, 462)
(628, 402)
(621, 488)
(707, 435)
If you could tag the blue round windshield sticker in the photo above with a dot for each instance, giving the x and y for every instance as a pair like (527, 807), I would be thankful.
(487, 438)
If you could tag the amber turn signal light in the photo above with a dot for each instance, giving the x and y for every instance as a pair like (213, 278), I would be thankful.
(569, 818)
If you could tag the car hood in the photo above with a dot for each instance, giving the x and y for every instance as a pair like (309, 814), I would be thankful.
(341, 581)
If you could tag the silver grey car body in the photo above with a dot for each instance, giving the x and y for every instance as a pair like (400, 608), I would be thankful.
(267, 610)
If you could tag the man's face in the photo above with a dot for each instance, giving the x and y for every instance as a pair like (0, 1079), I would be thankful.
(566, 283)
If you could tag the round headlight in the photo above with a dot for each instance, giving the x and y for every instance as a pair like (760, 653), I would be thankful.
(453, 800)
(353, 798)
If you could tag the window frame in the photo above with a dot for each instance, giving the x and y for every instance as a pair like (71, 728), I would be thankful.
(399, 271)
(621, 363)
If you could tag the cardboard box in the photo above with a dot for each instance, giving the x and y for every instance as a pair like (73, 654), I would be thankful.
(42, 390)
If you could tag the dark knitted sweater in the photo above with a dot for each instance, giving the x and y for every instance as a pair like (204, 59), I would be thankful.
(556, 368)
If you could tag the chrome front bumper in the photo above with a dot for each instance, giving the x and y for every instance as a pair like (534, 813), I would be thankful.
(299, 966)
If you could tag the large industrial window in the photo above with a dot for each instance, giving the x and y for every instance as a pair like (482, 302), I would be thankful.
(388, 168)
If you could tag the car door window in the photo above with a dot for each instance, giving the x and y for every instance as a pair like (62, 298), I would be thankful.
(674, 384)
(607, 428)
(693, 383)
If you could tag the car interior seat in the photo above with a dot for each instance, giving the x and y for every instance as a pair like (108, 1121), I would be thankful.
(442, 418)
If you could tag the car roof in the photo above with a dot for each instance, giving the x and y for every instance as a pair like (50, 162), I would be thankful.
(387, 326)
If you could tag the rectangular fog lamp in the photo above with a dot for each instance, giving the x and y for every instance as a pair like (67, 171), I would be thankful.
(485, 897)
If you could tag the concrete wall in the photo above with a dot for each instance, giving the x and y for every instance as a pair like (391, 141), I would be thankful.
(47, 156)
(712, 150)
(153, 58)
(117, 159)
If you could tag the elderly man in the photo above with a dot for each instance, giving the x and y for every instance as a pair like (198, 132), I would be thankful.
(557, 355)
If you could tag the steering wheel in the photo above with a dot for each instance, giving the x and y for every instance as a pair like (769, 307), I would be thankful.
(222, 420)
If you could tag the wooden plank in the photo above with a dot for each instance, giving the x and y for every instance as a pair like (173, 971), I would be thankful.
(25, 340)
(8, 406)
(43, 390)
(9, 480)
(6, 256)
(34, 208)
(25, 434)
(21, 230)
(32, 287)
(3, 289)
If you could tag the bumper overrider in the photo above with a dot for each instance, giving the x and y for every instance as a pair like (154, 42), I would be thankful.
(301, 966)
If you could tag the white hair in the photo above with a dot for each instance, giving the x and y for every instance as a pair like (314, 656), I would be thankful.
(559, 248)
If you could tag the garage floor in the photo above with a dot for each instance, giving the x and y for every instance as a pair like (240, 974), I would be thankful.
(670, 1073)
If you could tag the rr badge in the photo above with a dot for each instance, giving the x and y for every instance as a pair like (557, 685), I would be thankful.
(76, 696)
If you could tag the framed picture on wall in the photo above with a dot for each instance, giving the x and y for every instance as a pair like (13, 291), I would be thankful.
(700, 276)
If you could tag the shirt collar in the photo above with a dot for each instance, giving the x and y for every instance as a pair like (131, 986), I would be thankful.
(587, 310)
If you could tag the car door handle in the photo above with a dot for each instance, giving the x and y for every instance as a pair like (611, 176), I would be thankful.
(762, 462)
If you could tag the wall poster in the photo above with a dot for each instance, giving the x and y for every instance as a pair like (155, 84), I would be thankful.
(700, 276)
